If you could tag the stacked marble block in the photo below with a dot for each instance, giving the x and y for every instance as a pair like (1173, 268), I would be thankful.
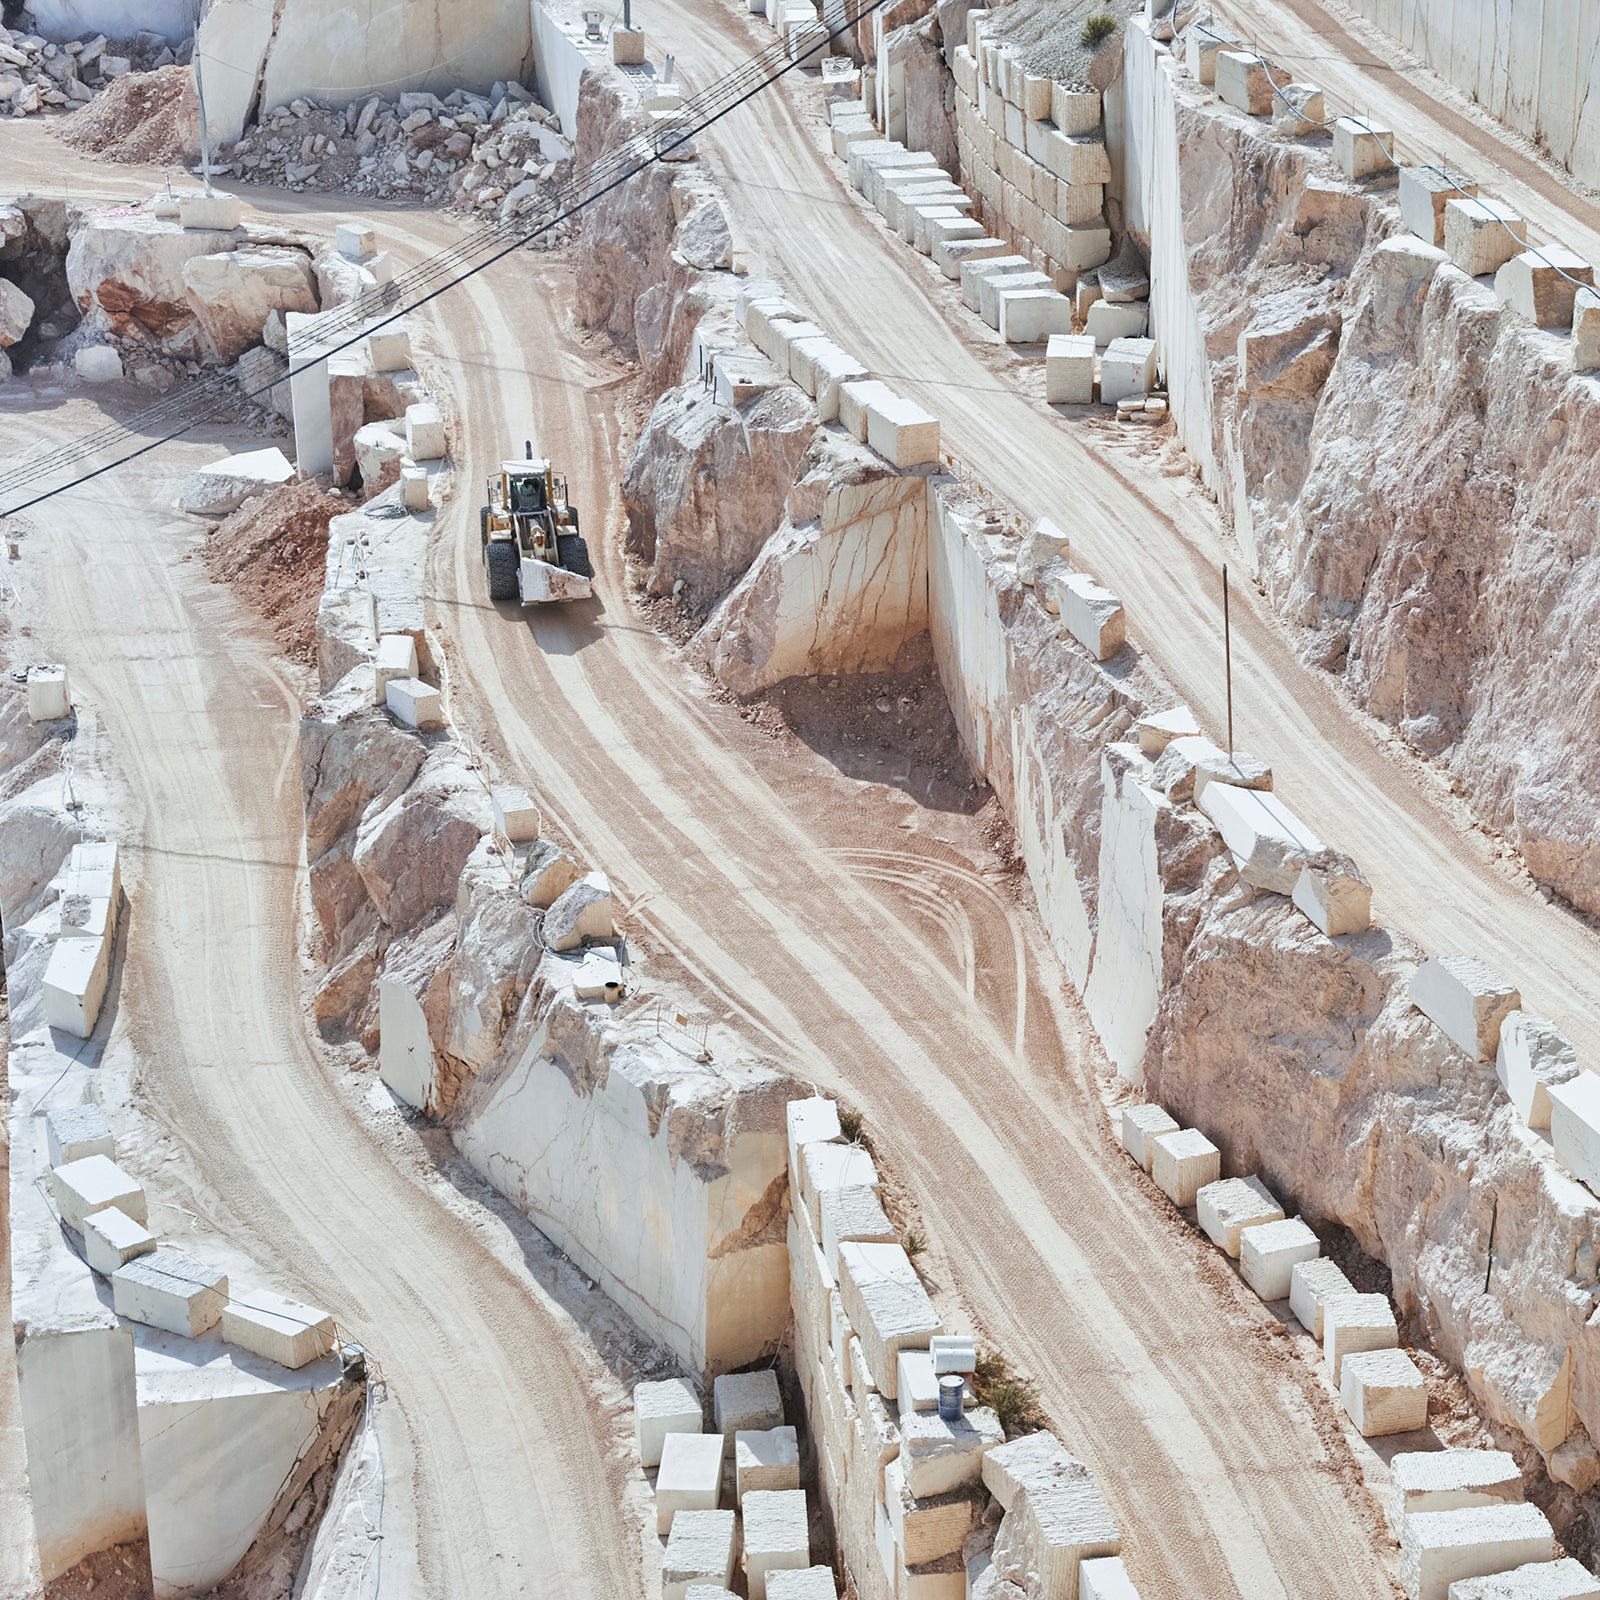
(1089, 612)
(1481, 1014)
(1280, 1258)
(794, 347)
(1033, 154)
(860, 1307)
(152, 1283)
(79, 968)
(1465, 1533)
(1548, 285)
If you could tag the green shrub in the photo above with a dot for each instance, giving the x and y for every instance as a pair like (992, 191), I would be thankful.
(1012, 1397)
(850, 1123)
(913, 1244)
(1098, 29)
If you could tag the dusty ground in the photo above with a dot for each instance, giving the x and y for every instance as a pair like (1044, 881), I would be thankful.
(273, 551)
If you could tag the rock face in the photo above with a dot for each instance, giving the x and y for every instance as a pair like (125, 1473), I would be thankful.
(232, 292)
(840, 587)
(707, 483)
(1416, 462)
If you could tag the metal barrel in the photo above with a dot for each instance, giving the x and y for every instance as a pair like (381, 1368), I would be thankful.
(952, 1389)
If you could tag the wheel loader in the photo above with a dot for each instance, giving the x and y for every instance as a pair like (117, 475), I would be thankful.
(532, 550)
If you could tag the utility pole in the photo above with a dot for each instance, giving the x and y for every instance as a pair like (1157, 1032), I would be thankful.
(1227, 655)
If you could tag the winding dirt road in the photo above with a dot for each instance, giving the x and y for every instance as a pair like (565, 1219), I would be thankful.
(500, 1475)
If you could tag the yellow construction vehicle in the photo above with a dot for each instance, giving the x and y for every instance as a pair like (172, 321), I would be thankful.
(532, 550)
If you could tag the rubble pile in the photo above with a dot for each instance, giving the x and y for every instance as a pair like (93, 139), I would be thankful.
(486, 151)
(36, 75)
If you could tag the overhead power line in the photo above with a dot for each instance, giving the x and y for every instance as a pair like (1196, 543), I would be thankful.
(348, 325)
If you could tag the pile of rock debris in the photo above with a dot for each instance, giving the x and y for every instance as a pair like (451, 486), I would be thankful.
(36, 75)
(485, 151)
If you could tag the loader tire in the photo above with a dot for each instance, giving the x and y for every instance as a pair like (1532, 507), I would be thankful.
(500, 559)
(574, 552)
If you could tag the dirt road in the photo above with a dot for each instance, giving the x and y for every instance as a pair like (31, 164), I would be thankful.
(501, 1481)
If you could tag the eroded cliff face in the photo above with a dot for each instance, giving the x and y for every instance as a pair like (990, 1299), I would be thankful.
(1416, 473)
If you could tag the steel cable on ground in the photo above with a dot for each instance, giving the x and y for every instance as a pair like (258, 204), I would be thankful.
(346, 326)
(1451, 178)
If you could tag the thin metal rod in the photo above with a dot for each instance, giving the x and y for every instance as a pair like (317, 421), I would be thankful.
(1227, 655)
(205, 138)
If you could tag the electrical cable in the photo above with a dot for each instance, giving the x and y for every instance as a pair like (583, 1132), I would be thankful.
(1451, 178)
(348, 325)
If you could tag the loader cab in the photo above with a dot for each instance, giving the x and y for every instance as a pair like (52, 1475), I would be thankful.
(527, 487)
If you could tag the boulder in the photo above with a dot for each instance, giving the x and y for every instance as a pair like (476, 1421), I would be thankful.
(497, 949)
(126, 272)
(380, 447)
(410, 856)
(225, 485)
(233, 292)
(583, 911)
(16, 313)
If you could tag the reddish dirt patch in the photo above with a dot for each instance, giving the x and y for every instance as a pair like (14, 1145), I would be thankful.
(145, 118)
(273, 551)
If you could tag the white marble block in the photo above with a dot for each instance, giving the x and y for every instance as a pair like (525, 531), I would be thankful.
(1565, 1579)
(1226, 1207)
(689, 1477)
(1141, 1124)
(1069, 370)
(415, 703)
(168, 1289)
(1453, 1480)
(746, 1400)
(1127, 368)
(1466, 1000)
(917, 1386)
(668, 1406)
(776, 1535)
(278, 1328)
(1311, 1285)
(939, 1457)
(111, 1239)
(765, 1458)
(852, 1216)
(700, 1550)
(1183, 1163)
(1439, 1547)
(1480, 235)
(1268, 1255)
(1424, 193)
(1352, 1322)
(1092, 615)
(1530, 1057)
(824, 1167)
(1361, 148)
(1333, 894)
(887, 1306)
(73, 1133)
(80, 1188)
(1105, 1578)
(1383, 1392)
(1246, 83)
(1575, 1127)
(1542, 284)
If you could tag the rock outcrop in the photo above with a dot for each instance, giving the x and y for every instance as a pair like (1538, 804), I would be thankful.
(707, 484)
(1412, 466)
